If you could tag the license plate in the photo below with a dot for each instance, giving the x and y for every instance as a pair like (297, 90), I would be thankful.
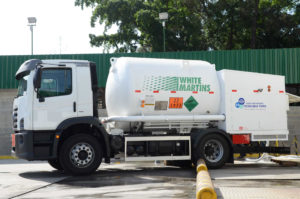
(13, 140)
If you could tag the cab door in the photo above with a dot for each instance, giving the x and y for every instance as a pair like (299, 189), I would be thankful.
(56, 100)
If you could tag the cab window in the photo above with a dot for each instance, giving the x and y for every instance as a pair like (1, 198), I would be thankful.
(22, 87)
(55, 82)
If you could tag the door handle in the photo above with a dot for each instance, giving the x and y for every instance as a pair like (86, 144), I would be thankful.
(74, 106)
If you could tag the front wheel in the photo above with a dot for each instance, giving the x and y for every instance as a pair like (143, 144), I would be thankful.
(214, 149)
(80, 154)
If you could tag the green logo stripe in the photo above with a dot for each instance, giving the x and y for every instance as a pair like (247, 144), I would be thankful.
(167, 83)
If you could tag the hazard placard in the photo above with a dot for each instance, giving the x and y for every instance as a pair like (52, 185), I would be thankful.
(175, 102)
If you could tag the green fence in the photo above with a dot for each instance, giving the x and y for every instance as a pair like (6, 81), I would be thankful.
(274, 61)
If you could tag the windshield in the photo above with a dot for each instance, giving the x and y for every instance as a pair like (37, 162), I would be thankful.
(22, 87)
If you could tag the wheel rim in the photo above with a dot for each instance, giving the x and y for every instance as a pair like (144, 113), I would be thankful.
(82, 155)
(213, 150)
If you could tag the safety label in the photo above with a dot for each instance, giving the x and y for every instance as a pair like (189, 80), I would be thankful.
(190, 103)
(175, 102)
(149, 100)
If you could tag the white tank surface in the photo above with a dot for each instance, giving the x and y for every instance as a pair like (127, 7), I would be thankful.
(148, 86)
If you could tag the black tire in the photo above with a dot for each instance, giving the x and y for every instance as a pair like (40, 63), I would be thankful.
(55, 164)
(214, 149)
(80, 154)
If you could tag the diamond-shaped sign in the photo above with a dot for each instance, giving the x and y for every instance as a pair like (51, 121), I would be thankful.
(190, 103)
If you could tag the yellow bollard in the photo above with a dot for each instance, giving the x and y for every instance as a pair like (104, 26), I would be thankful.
(204, 186)
(201, 165)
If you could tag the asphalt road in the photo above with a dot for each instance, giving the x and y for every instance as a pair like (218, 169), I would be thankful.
(22, 179)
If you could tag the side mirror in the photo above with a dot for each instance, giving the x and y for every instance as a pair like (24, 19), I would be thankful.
(37, 78)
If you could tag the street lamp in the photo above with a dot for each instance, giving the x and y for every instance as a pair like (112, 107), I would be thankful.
(163, 16)
(31, 23)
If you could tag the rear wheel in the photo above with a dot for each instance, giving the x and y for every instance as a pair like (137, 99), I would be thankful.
(214, 149)
(80, 154)
(55, 164)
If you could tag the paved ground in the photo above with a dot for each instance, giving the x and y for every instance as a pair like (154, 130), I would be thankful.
(22, 179)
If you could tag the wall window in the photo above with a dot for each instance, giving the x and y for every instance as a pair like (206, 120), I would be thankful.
(55, 82)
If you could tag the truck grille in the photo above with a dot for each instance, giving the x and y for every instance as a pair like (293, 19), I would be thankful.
(15, 118)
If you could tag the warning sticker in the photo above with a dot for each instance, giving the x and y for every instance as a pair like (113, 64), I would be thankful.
(175, 102)
(149, 100)
(190, 103)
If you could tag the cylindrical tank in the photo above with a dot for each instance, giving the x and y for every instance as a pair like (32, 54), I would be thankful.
(148, 86)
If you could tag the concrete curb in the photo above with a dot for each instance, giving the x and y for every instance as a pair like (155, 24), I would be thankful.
(204, 186)
(5, 157)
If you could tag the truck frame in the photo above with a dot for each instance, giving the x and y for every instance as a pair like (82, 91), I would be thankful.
(55, 118)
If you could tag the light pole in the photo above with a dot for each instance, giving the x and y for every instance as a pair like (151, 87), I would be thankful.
(31, 23)
(163, 16)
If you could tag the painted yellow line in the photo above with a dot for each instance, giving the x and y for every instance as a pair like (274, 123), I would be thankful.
(7, 157)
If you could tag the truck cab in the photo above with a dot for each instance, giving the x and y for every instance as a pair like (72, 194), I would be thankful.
(48, 103)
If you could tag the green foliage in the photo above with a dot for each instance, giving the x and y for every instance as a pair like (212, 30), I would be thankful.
(253, 24)
(196, 24)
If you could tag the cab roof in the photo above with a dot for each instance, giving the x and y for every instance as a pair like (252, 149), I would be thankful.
(31, 64)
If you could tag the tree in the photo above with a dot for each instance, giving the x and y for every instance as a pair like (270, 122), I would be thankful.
(253, 24)
(195, 24)
(138, 24)
(278, 24)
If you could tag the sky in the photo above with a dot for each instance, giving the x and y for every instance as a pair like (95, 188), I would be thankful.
(61, 28)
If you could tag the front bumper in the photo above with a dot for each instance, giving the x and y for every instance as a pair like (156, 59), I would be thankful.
(35, 145)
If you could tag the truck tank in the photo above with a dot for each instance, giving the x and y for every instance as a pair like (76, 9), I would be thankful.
(143, 86)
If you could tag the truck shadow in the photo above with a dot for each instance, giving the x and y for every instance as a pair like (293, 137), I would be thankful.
(45, 176)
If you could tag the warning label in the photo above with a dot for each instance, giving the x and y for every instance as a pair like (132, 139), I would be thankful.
(190, 103)
(175, 102)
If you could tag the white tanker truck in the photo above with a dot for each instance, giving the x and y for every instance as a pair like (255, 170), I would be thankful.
(158, 109)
